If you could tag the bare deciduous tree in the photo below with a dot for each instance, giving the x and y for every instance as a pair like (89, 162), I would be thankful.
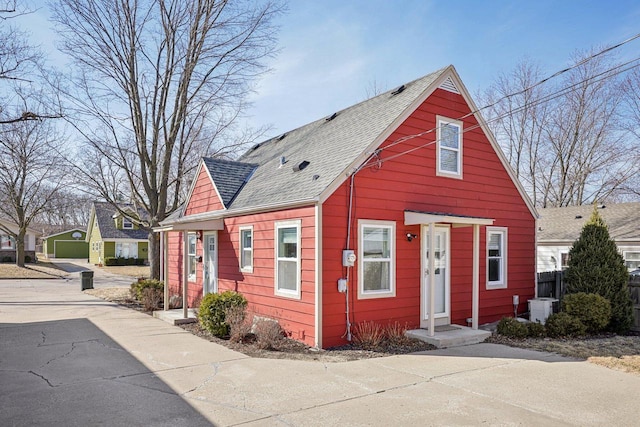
(564, 139)
(31, 171)
(159, 84)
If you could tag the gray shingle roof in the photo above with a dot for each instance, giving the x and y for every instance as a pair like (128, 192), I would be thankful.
(563, 224)
(329, 147)
(228, 176)
(104, 218)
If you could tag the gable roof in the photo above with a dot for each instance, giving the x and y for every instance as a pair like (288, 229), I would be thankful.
(64, 232)
(565, 224)
(103, 213)
(11, 225)
(228, 176)
(305, 165)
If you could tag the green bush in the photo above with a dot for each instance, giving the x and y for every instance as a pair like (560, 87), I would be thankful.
(564, 325)
(593, 310)
(27, 259)
(597, 267)
(535, 330)
(6, 259)
(510, 327)
(213, 308)
(120, 261)
(137, 288)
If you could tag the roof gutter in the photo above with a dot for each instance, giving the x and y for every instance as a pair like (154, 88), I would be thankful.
(230, 213)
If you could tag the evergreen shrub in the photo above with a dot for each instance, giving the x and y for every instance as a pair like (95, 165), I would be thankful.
(593, 310)
(559, 325)
(213, 309)
(596, 267)
(510, 327)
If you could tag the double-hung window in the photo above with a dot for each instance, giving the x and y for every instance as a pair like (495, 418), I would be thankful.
(126, 223)
(496, 257)
(376, 255)
(449, 147)
(246, 249)
(632, 260)
(191, 253)
(287, 280)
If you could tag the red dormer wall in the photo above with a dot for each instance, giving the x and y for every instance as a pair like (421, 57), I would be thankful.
(204, 197)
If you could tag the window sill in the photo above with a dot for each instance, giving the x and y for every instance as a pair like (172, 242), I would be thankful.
(288, 294)
(375, 295)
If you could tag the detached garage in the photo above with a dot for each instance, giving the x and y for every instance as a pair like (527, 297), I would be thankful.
(66, 244)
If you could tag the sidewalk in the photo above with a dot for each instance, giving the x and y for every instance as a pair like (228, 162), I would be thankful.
(67, 358)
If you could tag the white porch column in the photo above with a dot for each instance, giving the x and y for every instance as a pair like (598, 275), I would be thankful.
(163, 271)
(475, 297)
(185, 273)
(432, 279)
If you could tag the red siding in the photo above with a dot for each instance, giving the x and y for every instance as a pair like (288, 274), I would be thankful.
(296, 316)
(410, 182)
(204, 197)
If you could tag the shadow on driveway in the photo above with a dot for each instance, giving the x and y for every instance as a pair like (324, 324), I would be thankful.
(69, 372)
(71, 267)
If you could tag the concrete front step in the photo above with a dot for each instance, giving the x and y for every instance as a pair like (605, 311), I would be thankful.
(450, 336)
(176, 317)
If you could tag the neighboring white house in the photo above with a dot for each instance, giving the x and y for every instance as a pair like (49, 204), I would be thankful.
(8, 245)
(558, 228)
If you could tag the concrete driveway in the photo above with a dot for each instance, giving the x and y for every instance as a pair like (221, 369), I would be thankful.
(67, 358)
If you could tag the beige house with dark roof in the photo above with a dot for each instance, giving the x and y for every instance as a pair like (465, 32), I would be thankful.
(558, 228)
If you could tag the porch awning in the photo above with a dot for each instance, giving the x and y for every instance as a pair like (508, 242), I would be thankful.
(208, 224)
(417, 217)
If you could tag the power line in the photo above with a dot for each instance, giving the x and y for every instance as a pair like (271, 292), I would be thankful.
(611, 72)
(546, 79)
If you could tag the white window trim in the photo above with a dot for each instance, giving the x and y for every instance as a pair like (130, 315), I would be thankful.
(127, 224)
(500, 284)
(192, 277)
(624, 256)
(285, 292)
(391, 225)
(242, 249)
(440, 122)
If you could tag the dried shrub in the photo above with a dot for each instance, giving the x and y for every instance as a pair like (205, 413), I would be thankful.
(564, 325)
(138, 287)
(175, 301)
(395, 333)
(268, 334)
(151, 299)
(368, 335)
(239, 324)
(510, 327)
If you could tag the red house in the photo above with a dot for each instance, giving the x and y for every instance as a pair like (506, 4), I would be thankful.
(352, 217)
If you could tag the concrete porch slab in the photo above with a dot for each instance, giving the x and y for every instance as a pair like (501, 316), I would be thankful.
(176, 317)
(450, 336)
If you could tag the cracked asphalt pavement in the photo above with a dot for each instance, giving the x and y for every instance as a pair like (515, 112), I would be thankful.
(67, 358)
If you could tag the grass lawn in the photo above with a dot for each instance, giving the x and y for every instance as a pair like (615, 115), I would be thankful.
(41, 270)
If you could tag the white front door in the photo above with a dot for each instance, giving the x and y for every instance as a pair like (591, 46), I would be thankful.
(210, 264)
(442, 274)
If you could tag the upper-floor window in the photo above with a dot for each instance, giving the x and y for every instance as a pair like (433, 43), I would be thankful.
(246, 249)
(126, 223)
(496, 257)
(376, 255)
(288, 258)
(449, 147)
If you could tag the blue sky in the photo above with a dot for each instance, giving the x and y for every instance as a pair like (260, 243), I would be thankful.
(332, 51)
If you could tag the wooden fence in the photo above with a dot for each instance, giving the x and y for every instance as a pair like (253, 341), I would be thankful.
(551, 284)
